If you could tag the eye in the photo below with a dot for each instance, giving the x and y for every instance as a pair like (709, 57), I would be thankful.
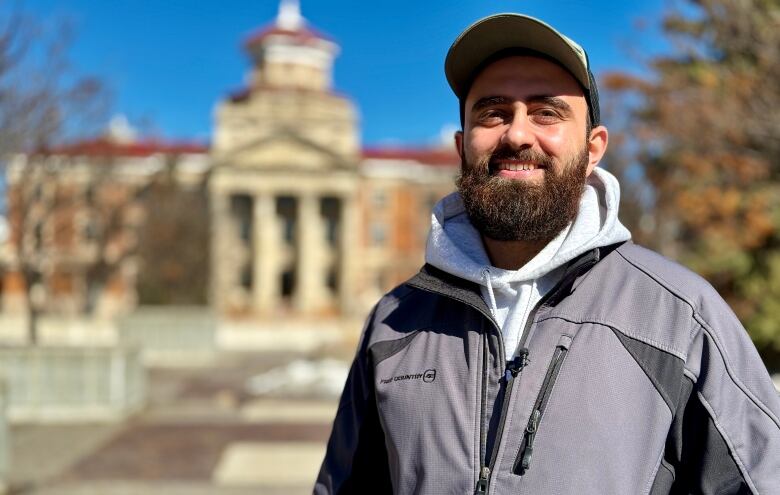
(492, 116)
(546, 116)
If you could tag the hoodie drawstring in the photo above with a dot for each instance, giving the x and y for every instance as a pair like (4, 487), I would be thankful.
(491, 295)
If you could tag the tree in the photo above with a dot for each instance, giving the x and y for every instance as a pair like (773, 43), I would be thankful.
(174, 241)
(705, 132)
(44, 102)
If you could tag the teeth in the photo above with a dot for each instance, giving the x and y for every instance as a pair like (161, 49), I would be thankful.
(515, 167)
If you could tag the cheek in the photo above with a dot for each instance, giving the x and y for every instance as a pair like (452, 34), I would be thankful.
(481, 141)
(558, 141)
(553, 138)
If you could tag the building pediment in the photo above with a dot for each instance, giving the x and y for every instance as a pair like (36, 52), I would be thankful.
(283, 149)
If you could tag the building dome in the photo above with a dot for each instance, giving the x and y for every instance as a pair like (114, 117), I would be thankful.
(290, 53)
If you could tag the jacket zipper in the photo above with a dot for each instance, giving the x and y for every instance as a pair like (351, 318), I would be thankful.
(485, 470)
(513, 369)
(523, 460)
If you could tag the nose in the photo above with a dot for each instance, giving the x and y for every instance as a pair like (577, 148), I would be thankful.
(519, 133)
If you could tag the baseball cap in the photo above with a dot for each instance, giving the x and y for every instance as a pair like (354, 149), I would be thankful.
(499, 32)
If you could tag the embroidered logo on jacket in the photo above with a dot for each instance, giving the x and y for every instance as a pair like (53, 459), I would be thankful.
(427, 376)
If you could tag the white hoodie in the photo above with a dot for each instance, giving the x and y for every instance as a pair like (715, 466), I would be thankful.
(455, 246)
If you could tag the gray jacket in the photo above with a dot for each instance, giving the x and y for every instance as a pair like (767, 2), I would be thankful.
(633, 377)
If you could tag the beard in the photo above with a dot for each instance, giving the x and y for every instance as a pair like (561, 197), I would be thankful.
(513, 210)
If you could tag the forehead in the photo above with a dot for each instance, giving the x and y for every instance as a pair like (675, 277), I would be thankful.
(521, 76)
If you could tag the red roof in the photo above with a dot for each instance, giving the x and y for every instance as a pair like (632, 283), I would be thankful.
(148, 147)
(428, 156)
(301, 35)
(143, 148)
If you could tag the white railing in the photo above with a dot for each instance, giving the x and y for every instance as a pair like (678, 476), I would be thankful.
(170, 335)
(72, 383)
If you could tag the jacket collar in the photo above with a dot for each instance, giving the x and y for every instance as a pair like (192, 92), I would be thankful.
(438, 281)
(435, 280)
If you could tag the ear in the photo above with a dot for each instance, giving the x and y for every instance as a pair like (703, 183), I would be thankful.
(597, 146)
(459, 143)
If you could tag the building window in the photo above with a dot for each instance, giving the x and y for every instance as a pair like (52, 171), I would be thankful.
(287, 211)
(287, 283)
(241, 209)
(246, 277)
(330, 211)
(289, 231)
(379, 199)
(332, 280)
(378, 233)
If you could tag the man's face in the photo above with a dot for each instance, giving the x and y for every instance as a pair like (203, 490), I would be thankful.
(525, 151)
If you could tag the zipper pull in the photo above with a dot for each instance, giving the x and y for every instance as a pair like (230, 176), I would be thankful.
(528, 451)
(533, 423)
(525, 463)
(482, 483)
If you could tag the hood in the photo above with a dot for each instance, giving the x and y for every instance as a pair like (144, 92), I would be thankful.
(455, 246)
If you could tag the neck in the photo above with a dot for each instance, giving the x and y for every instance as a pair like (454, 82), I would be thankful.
(511, 255)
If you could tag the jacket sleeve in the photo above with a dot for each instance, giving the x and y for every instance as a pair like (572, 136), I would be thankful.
(356, 457)
(725, 435)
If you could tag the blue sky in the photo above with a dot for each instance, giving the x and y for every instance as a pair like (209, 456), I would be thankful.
(169, 61)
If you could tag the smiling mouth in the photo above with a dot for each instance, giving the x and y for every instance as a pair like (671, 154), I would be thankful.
(515, 166)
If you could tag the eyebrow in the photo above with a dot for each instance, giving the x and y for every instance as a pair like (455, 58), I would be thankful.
(553, 101)
(491, 101)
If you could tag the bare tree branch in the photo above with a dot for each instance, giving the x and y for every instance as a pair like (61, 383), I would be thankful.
(43, 104)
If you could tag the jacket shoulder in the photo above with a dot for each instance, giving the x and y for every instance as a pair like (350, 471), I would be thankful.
(649, 297)
(706, 305)
(668, 274)
(391, 300)
(429, 300)
(401, 311)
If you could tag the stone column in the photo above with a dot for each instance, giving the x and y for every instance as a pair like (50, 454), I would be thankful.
(222, 278)
(309, 278)
(349, 253)
(266, 251)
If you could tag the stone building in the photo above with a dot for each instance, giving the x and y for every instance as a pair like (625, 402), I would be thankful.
(304, 221)
(285, 179)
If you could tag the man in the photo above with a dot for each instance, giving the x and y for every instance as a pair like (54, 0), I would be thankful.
(540, 351)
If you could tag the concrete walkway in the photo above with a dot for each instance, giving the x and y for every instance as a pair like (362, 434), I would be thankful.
(202, 433)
